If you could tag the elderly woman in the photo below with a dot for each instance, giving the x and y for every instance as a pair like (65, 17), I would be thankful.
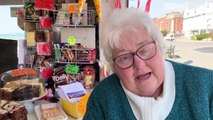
(144, 86)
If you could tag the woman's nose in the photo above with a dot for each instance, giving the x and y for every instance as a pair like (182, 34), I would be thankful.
(138, 62)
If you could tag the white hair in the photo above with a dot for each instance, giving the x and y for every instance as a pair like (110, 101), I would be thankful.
(122, 20)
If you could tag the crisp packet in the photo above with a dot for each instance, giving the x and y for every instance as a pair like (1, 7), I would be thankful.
(43, 48)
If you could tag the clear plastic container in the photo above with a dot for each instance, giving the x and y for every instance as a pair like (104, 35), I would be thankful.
(21, 85)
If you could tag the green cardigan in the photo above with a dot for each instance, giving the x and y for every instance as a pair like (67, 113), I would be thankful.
(193, 99)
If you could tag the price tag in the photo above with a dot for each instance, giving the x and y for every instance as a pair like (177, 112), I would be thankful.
(71, 69)
(71, 40)
(71, 8)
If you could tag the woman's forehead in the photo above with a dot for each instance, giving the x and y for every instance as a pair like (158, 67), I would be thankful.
(131, 38)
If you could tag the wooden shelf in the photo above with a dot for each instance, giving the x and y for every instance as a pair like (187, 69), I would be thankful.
(74, 26)
(82, 63)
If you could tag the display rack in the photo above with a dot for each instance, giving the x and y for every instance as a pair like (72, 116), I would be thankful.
(62, 22)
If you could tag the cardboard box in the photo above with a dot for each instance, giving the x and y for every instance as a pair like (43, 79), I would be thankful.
(75, 109)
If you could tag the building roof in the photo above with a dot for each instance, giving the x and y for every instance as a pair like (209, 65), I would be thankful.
(11, 2)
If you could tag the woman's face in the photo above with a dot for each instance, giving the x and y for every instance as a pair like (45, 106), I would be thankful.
(144, 77)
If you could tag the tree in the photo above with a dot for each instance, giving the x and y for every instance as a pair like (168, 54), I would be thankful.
(164, 32)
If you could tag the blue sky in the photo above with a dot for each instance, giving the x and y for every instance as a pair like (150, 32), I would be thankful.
(158, 8)
(161, 7)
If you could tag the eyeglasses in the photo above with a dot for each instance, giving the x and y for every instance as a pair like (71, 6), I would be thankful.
(145, 52)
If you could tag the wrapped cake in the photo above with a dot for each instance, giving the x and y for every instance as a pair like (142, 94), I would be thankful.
(12, 110)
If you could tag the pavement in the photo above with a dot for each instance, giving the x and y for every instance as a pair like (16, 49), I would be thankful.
(202, 57)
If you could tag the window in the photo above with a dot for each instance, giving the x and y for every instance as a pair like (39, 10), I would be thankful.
(9, 26)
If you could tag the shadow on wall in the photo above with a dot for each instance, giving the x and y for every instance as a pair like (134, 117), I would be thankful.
(8, 55)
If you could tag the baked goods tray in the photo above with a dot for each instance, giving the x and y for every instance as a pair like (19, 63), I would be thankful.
(38, 113)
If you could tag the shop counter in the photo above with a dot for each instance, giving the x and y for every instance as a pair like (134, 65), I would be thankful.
(32, 114)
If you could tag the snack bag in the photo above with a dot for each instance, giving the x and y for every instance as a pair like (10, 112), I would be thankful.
(43, 48)
(45, 4)
(45, 22)
(31, 39)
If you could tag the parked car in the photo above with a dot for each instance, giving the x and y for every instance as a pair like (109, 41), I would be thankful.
(170, 37)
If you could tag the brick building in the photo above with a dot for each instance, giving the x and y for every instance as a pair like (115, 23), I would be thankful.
(171, 22)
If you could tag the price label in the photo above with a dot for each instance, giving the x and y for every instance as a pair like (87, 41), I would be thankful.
(71, 8)
(71, 40)
(71, 69)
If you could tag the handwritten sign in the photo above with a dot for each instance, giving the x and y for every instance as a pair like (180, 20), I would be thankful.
(71, 40)
(71, 69)
(71, 8)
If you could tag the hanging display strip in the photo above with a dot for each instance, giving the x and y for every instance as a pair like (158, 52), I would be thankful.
(98, 8)
(135, 4)
(117, 4)
(148, 4)
(80, 6)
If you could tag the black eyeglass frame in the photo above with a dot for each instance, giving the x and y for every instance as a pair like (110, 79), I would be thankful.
(135, 53)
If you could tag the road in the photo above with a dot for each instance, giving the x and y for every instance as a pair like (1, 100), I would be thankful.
(198, 53)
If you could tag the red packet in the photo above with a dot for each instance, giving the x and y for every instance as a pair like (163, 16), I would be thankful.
(43, 48)
(45, 4)
(47, 73)
(45, 22)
